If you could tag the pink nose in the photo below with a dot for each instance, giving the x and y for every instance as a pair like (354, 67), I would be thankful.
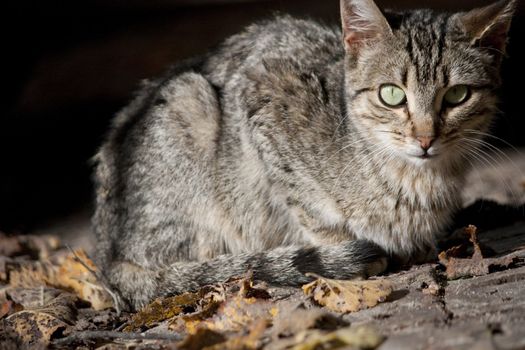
(425, 141)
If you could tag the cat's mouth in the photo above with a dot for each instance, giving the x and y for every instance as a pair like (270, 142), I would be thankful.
(425, 157)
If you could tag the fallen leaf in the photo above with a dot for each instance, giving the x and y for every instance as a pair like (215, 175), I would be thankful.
(292, 319)
(432, 289)
(41, 324)
(36, 246)
(252, 340)
(201, 339)
(249, 291)
(9, 307)
(162, 309)
(31, 274)
(30, 298)
(362, 337)
(73, 274)
(476, 265)
(348, 296)
(238, 307)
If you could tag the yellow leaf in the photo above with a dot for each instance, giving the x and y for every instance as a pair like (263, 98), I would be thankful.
(348, 296)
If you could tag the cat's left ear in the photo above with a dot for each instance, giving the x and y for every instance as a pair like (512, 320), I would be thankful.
(488, 26)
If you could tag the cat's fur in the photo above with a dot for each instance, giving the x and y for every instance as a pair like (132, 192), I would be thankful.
(275, 154)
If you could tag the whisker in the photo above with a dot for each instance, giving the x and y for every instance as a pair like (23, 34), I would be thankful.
(494, 137)
(482, 156)
(500, 154)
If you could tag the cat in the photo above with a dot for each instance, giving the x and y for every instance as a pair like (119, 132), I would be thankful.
(297, 147)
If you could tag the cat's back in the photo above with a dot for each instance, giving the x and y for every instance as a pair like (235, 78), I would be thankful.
(306, 42)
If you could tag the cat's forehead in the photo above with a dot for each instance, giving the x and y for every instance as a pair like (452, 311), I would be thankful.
(433, 47)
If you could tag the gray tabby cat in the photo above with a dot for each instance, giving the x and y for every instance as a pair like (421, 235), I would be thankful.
(297, 147)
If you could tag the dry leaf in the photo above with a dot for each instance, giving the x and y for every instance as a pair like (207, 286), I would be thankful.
(72, 274)
(432, 289)
(359, 337)
(291, 320)
(476, 265)
(348, 296)
(31, 274)
(162, 309)
(39, 325)
(203, 338)
(36, 246)
(30, 298)
(252, 340)
(9, 307)
(234, 312)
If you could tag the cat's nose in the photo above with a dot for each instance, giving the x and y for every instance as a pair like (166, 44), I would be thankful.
(425, 141)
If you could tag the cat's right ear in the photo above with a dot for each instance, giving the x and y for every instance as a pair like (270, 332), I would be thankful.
(363, 24)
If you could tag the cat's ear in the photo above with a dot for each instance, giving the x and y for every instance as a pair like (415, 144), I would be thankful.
(363, 23)
(488, 26)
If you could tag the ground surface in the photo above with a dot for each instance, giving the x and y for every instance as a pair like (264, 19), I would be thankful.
(473, 299)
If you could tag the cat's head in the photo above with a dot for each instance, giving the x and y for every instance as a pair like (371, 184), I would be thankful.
(422, 84)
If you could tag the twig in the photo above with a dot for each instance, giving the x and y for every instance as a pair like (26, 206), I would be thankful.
(110, 335)
(101, 278)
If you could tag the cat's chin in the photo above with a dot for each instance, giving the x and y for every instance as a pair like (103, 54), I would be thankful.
(423, 160)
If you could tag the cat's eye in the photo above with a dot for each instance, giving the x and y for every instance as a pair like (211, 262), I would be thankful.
(392, 95)
(457, 95)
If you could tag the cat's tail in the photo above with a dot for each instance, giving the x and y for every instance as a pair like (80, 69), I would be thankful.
(137, 286)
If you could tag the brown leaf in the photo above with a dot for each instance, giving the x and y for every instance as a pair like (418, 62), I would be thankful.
(348, 296)
(9, 307)
(72, 274)
(30, 298)
(356, 337)
(291, 319)
(162, 309)
(252, 340)
(31, 274)
(433, 289)
(476, 265)
(201, 339)
(249, 291)
(39, 325)
(238, 308)
(36, 246)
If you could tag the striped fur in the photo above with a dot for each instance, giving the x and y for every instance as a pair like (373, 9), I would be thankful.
(275, 154)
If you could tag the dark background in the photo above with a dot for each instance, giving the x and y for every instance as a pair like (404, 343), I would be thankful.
(72, 65)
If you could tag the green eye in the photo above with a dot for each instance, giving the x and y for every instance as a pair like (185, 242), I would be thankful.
(457, 95)
(392, 95)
